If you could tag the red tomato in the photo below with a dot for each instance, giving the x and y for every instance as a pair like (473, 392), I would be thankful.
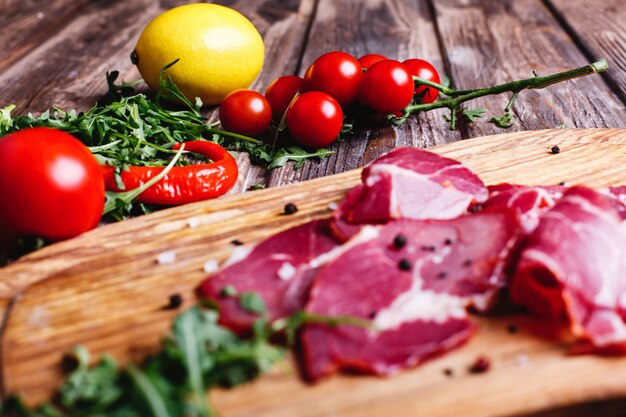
(387, 86)
(245, 112)
(50, 185)
(314, 119)
(426, 71)
(280, 93)
(337, 74)
(368, 60)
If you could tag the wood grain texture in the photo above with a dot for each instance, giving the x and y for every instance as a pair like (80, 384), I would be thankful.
(29, 23)
(398, 29)
(105, 290)
(600, 27)
(67, 69)
(489, 42)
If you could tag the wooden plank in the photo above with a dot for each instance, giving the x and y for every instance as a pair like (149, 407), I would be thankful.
(105, 290)
(600, 28)
(68, 68)
(398, 29)
(490, 42)
(29, 23)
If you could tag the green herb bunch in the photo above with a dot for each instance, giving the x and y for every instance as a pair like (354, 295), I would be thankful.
(197, 355)
(133, 129)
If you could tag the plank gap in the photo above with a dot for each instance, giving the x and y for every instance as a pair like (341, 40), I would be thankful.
(307, 35)
(584, 49)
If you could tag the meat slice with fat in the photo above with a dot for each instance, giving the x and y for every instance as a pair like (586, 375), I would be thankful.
(411, 183)
(415, 294)
(573, 266)
(529, 202)
(278, 270)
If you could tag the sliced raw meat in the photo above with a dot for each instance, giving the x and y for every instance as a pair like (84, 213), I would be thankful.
(619, 199)
(412, 183)
(414, 280)
(278, 270)
(574, 266)
(529, 202)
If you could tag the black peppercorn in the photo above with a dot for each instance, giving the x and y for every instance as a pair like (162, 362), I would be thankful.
(290, 208)
(404, 265)
(175, 301)
(399, 241)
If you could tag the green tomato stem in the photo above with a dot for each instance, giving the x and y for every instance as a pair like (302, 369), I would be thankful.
(461, 96)
(233, 135)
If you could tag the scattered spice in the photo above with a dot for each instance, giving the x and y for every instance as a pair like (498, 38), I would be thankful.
(481, 364)
(442, 274)
(211, 266)
(511, 328)
(447, 242)
(332, 206)
(175, 301)
(428, 248)
(399, 241)
(468, 262)
(475, 208)
(404, 264)
(372, 314)
(236, 242)
(562, 183)
(555, 149)
(448, 372)
(522, 360)
(69, 362)
(290, 208)
(165, 258)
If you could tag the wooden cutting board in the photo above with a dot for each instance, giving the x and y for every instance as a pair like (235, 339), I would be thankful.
(105, 290)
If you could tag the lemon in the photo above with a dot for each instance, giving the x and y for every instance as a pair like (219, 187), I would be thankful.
(219, 50)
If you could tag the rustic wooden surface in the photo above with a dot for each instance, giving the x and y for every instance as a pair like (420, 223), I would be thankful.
(105, 290)
(57, 52)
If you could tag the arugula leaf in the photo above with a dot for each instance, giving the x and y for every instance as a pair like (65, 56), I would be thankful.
(188, 332)
(473, 115)
(504, 122)
(252, 303)
(297, 154)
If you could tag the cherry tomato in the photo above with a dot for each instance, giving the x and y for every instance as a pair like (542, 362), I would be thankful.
(368, 60)
(426, 71)
(245, 112)
(280, 93)
(50, 185)
(337, 74)
(314, 119)
(387, 86)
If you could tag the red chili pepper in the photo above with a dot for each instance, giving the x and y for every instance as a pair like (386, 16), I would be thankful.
(181, 185)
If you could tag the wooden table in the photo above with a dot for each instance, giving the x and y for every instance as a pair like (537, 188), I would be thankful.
(56, 53)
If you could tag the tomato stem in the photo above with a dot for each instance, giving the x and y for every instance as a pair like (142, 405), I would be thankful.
(457, 97)
(232, 135)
